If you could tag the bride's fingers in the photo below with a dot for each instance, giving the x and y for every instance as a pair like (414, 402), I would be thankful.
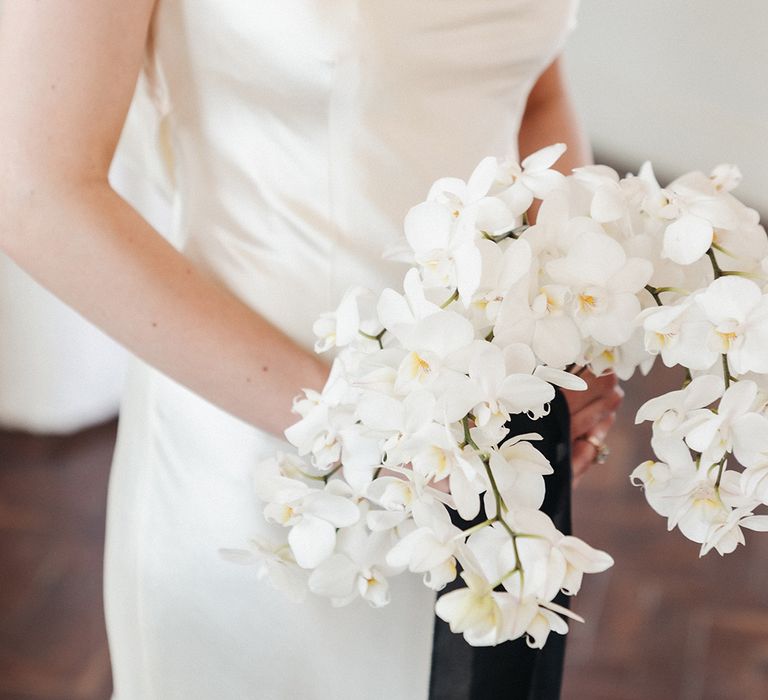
(585, 419)
(581, 458)
(597, 388)
(583, 452)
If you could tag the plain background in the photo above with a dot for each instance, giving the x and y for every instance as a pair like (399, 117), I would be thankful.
(683, 83)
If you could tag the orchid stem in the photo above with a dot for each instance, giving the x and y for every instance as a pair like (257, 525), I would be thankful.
(327, 476)
(504, 577)
(475, 528)
(715, 267)
(377, 337)
(467, 437)
(500, 505)
(655, 294)
(519, 565)
(727, 378)
(720, 470)
(450, 299)
(512, 233)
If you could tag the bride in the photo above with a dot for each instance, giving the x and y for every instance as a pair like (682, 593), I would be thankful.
(298, 134)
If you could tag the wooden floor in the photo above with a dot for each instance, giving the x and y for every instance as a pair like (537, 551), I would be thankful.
(662, 624)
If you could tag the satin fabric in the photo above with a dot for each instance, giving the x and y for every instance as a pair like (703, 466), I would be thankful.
(295, 136)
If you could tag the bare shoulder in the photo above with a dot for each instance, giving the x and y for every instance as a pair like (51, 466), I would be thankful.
(68, 69)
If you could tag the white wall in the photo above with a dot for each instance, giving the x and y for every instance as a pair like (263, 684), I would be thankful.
(683, 83)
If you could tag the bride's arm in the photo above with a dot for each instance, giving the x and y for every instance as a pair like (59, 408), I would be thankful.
(549, 118)
(67, 74)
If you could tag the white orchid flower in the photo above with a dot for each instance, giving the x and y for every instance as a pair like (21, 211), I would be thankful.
(429, 446)
(652, 198)
(670, 411)
(342, 327)
(361, 455)
(275, 562)
(444, 248)
(743, 248)
(430, 548)
(622, 360)
(738, 310)
(313, 526)
(323, 416)
(412, 420)
(397, 419)
(394, 494)
(548, 620)
(394, 309)
(400, 492)
(473, 611)
(543, 564)
(680, 334)
(519, 470)
(664, 481)
(442, 231)
(754, 481)
(356, 569)
(725, 177)
(503, 267)
(503, 383)
(696, 217)
(312, 514)
(726, 536)
(702, 504)
(604, 283)
(713, 434)
(319, 433)
(533, 177)
(455, 194)
(608, 200)
(430, 344)
(581, 559)
(749, 435)
(544, 324)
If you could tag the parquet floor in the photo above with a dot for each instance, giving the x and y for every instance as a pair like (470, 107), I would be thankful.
(662, 624)
(52, 502)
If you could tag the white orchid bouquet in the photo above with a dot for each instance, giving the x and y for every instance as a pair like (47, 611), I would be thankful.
(493, 315)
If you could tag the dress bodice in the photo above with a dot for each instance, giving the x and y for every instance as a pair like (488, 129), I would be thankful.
(302, 131)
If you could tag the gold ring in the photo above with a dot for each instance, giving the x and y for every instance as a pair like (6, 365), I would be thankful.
(602, 451)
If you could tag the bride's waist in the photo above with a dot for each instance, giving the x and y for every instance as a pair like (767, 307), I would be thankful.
(291, 282)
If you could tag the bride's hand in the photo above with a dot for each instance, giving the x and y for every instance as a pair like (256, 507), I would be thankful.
(593, 412)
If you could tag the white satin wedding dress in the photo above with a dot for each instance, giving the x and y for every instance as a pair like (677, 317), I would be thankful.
(296, 134)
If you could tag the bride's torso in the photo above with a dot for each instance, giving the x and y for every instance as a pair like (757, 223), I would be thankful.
(301, 131)
(296, 133)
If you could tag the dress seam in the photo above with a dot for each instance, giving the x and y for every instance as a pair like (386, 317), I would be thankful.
(142, 516)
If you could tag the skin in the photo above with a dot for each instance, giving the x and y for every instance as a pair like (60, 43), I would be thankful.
(64, 104)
